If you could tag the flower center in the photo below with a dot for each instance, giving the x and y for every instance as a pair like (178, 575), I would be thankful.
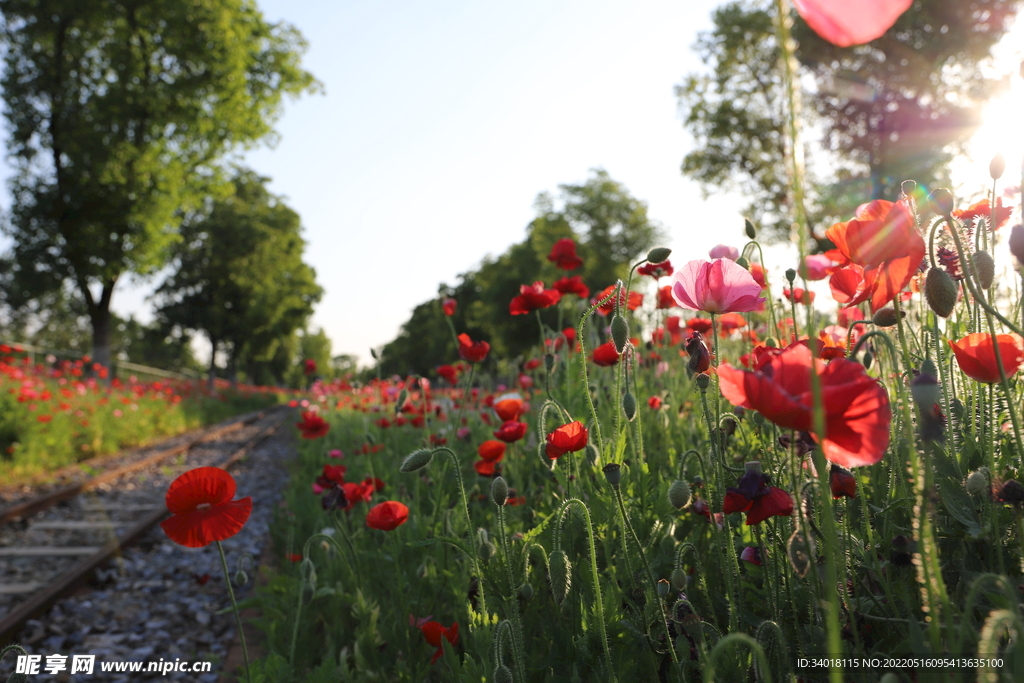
(203, 506)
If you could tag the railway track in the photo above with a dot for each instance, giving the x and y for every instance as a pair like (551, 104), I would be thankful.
(50, 544)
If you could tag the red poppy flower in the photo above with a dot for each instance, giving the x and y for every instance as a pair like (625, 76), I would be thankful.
(983, 210)
(799, 295)
(605, 355)
(569, 438)
(754, 496)
(976, 358)
(472, 351)
(636, 300)
(511, 431)
(491, 450)
(531, 364)
(665, 299)
(756, 271)
(857, 412)
(509, 409)
(878, 252)
(702, 325)
(700, 355)
(485, 468)
(312, 426)
(752, 555)
(433, 632)
(387, 516)
(309, 366)
(563, 255)
(532, 297)
(656, 270)
(572, 285)
(449, 305)
(842, 482)
(200, 501)
(730, 322)
(448, 372)
(654, 402)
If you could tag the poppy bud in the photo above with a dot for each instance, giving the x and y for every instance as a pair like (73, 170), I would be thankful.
(700, 355)
(373, 353)
(679, 580)
(886, 317)
(757, 418)
(416, 460)
(985, 267)
(486, 550)
(741, 261)
(940, 292)
(629, 405)
(499, 490)
(663, 587)
(402, 396)
(658, 255)
(1017, 242)
(908, 187)
(703, 382)
(620, 333)
(800, 550)
(679, 494)
(997, 166)
(977, 482)
(613, 473)
(241, 578)
(549, 362)
(307, 573)
(790, 275)
(692, 624)
(502, 674)
(749, 228)
(526, 592)
(925, 388)
(869, 358)
(592, 453)
(560, 575)
(942, 199)
(771, 343)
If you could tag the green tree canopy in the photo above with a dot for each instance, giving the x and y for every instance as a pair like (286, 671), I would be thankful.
(120, 113)
(240, 279)
(899, 107)
(611, 229)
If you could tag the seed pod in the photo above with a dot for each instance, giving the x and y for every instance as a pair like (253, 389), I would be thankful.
(886, 317)
(749, 228)
(526, 592)
(663, 587)
(940, 292)
(800, 550)
(612, 473)
(985, 267)
(925, 387)
(629, 405)
(499, 491)
(679, 579)
(743, 262)
(703, 381)
(977, 482)
(942, 199)
(679, 494)
(620, 333)
(790, 275)
(502, 674)
(549, 361)
(658, 255)
(997, 166)
(1017, 242)
(416, 460)
(560, 575)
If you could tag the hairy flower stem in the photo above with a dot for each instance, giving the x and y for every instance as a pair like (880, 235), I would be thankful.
(583, 370)
(517, 633)
(653, 583)
(238, 617)
(469, 521)
(594, 575)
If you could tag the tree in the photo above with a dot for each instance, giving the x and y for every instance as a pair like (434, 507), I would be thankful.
(899, 107)
(240, 278)
(611, 228)
(120, 112)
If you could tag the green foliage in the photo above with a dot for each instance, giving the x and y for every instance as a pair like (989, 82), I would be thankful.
(241, 281)
(897, 108)
(611, 229)
(119, 115)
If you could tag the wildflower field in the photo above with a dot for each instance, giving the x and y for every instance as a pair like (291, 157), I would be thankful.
(57, 414)
(707, 478)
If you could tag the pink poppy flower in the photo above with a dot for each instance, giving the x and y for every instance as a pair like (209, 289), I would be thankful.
(817, 267)
(719, 286)
(845, 23)
(724, 251)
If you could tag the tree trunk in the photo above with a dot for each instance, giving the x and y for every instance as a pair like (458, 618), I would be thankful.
(213, 363)
(99, 316)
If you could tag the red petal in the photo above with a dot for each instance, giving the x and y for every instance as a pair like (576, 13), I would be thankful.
(776, 502)
(203, 485)
(735, 502)
(202, 527)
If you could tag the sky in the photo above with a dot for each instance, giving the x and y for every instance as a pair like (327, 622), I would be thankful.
(439, 123)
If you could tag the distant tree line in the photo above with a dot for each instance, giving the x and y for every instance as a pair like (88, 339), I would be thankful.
(611, 229)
